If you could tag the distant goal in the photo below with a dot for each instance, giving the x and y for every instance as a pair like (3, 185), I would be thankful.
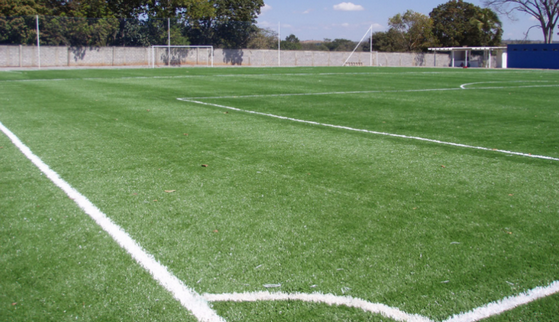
(176, 56)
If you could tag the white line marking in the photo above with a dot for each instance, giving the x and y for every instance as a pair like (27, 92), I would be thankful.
(462, 87)
(506, 304)
(483, 312)
(329, 299)
(528, 155)
(185, 295)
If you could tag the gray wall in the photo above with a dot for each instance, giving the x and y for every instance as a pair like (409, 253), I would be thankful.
(60, 56)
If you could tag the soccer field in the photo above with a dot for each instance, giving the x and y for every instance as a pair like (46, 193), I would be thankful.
(279, 194)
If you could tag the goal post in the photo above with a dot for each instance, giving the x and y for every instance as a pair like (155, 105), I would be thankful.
(359, 61)
(163, 55)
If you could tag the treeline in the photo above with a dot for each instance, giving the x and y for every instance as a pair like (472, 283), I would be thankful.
(453, 24)
(221, 23)
(226, 24)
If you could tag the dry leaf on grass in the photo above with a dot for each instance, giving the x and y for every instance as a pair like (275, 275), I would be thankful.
(169, 191)
(204, 165)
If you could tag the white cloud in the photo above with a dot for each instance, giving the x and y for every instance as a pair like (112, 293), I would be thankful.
(266, 8)
(348, 6)
(345, 24)
(307, 11)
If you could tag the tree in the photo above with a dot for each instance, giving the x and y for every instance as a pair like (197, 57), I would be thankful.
(339, 44)
(459, 23)
(411, 32)
(263, 38)
(231, 25)
(546, 12)
(291, 42)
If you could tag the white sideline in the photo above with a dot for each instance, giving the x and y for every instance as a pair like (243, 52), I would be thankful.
(186, 296)
(528, 155)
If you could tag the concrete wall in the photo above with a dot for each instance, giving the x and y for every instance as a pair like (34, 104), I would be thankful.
(60, 56)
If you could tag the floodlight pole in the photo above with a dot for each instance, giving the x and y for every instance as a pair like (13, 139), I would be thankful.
(38, 42)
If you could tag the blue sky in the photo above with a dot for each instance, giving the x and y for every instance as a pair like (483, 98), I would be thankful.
(350, 19)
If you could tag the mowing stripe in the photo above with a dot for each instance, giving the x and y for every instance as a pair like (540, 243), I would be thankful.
(185, 295)
(528, 155)
(329, 299)
(506, 304)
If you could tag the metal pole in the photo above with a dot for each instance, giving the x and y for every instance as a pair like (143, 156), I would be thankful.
(279, 44)
(168, 41)
(38, 43)
(371, 45)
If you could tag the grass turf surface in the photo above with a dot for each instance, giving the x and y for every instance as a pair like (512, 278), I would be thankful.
(314, 209)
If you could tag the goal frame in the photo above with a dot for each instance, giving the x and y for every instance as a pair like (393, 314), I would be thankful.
(209, 63)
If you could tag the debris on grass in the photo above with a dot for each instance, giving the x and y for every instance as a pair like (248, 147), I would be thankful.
(204, 165)
(170, 191)
(272, 285)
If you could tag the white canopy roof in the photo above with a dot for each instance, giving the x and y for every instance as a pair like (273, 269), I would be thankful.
(465, 48)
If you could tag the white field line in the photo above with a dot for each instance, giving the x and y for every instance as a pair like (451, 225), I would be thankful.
(462, 87)
(465, 86)
(483, 312)
(528, 155)
(329, 299)
(506, 304)
(185, 295)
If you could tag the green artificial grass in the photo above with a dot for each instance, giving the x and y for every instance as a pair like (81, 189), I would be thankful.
(431, 229)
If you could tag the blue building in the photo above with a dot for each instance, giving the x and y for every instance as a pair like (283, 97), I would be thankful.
(541, 56)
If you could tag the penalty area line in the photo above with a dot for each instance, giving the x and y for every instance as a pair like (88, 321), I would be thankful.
(528, 155)
(329, 299)
(188, 298)
(483, 312)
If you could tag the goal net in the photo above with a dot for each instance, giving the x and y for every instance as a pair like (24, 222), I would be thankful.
(176, 56)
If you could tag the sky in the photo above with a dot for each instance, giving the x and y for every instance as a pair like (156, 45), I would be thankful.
(350, 19)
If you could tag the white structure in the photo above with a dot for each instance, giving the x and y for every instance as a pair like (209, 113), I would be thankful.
(462, 56)
(182, 55)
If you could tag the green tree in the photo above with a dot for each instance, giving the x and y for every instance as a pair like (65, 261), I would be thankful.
(459, 23)
(411, 32)
(339, 44)
(231, 25)
(263, 38)
(17, 21)
(291, 42)
(546, 13)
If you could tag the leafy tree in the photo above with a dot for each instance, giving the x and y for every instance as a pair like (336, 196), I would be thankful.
(546, 12)
(17, 21)
(339, 44)
(410, 32)
(263, 38)
(291, 42)
(459, 23)
(231, 25)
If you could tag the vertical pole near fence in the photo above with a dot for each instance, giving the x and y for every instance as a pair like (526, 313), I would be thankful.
(169, 42)
(279, 44)
(371, 44)
(38, 43)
